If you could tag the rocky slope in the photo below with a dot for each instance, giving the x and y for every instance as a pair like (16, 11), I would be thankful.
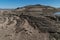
(25, 27)
(16, 25)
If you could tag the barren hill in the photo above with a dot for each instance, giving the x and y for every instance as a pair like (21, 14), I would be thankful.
(31, 23)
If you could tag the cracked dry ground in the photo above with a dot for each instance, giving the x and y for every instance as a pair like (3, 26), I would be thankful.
(24, 27)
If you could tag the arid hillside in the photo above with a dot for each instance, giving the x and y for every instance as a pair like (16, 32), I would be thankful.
(34, 22)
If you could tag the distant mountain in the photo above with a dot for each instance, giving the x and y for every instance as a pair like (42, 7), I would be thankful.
(37, 5)
(37, 9)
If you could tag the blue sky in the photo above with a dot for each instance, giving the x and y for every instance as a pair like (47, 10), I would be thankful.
(19, 3)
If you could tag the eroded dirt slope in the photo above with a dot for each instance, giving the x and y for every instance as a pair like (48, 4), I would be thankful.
(25, 27)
